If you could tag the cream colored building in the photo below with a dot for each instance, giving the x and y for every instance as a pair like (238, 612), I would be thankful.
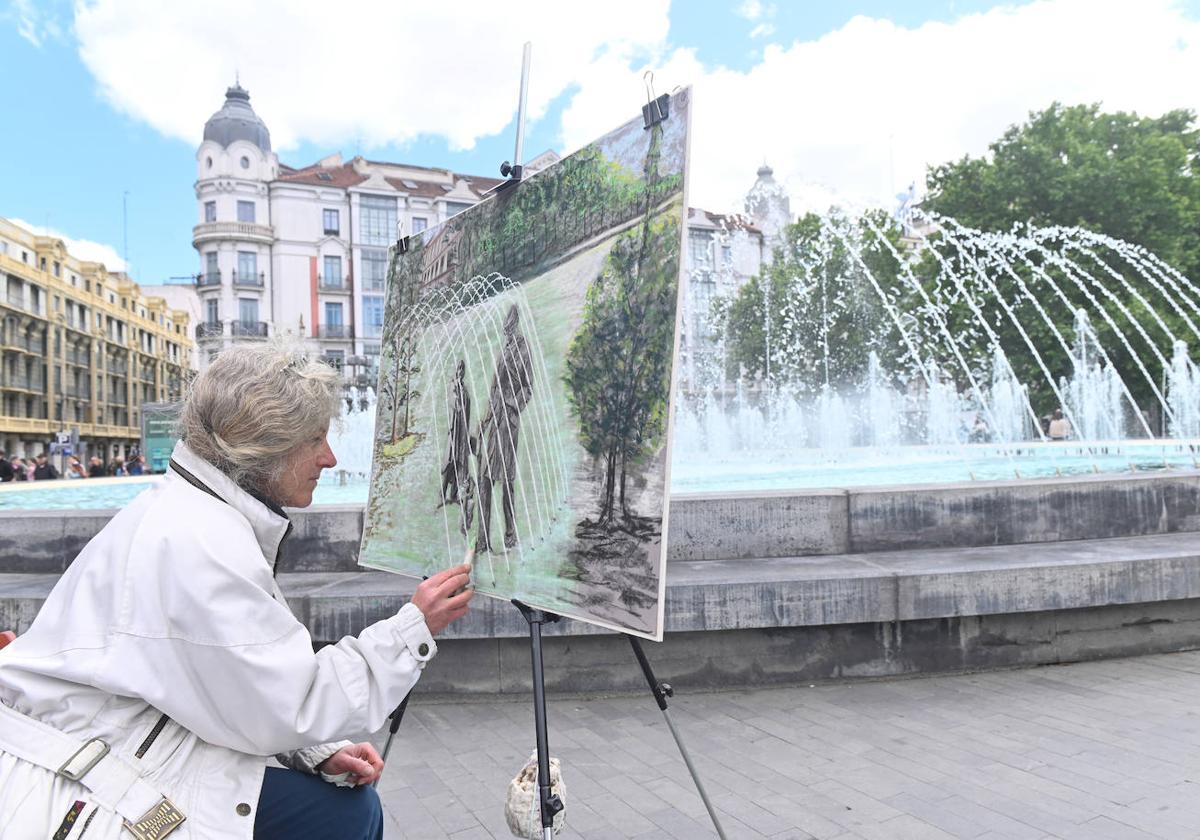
(81, 349)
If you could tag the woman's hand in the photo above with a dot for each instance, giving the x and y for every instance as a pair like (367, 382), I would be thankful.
(361, 761)
(6, 637)
(443, 598)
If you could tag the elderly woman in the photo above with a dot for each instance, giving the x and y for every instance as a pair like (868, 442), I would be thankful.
(165, 667)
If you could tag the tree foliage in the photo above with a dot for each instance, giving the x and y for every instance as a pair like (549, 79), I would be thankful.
(816, 312)
(1130, 177)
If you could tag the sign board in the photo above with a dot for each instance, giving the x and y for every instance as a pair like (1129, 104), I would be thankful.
(159, 434)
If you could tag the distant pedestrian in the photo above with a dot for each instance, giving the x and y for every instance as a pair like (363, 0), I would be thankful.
(118, 467)
(1060, 427)
(6, 470)
(30, 467)
(18, 468)
(137, 465)
(980, 433)
(95, 467)
(43, 470)
(75, 469)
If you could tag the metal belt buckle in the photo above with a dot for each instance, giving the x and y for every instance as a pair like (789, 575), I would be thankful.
(156, 823)
(87, 757)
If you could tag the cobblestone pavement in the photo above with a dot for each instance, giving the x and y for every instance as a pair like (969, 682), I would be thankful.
(1095, 751)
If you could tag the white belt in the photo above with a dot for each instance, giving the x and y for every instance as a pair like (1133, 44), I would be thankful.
(115, 784)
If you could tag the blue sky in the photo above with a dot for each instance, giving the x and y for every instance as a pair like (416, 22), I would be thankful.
(82, 133)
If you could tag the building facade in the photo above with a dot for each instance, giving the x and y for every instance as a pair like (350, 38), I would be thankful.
(304, 251)
(81, 349)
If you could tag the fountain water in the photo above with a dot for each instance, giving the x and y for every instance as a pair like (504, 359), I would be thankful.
(967, 355)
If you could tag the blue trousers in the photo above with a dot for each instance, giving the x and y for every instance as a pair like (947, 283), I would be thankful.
(297, 806)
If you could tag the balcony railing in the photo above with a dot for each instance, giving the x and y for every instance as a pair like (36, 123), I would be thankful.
(210, 329)
(210, 278)
(19, 302)
(80, 392)
(24, 342)
(22, 382)
(246, 280)
(334, 331)
(116, 368)
(245, 231)
(248, 329)
(80, 358)
(333, 284)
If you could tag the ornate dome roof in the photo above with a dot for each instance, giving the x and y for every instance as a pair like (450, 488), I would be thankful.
(237, 121)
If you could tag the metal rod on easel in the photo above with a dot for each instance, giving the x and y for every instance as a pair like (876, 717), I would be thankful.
(519, 154)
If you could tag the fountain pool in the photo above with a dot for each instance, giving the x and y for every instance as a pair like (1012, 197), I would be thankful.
(744, 471)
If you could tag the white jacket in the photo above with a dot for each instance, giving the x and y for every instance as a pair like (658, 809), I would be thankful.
(172, 610)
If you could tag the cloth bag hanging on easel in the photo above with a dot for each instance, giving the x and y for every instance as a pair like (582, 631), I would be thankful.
(522, 810)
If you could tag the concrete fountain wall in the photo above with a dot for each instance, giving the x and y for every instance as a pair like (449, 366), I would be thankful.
(780, 587)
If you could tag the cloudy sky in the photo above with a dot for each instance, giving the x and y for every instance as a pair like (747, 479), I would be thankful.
(849, 102)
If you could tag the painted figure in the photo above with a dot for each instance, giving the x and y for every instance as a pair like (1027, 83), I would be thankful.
(457, 485)
(512, 386)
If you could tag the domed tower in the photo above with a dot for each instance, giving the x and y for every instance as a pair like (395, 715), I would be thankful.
(233, 234)
(768, 205)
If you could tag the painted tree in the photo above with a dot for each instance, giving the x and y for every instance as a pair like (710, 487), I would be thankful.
(619, 363)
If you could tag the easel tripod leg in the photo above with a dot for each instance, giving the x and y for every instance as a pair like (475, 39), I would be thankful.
(550, 804)
(661, 692)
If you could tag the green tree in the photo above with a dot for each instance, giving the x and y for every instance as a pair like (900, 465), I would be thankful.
(1127, 176)
(816, 312)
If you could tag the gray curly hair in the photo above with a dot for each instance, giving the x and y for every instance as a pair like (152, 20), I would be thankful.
(255, 404)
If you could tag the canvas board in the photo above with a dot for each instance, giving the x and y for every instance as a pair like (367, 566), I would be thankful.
(526, 373)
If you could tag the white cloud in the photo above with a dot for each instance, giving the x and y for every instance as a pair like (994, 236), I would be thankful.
(81, 249)
(860, 112)
(856, 114)
(752, 10)
(378, 70)
(36, 25)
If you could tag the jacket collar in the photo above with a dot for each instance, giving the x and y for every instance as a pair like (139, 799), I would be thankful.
(270, 526)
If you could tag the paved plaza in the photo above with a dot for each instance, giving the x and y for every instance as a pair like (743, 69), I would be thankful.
(1096, 751)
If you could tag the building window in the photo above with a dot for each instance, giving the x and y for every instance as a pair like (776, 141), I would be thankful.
(372, 316)
(57, 269)
(245, 211)
(699, 250)
(455, 207)
(212, 310)
(213, 274)
(378, 220)
(248, 311)
(420, 223)
(333, 272)
(245, 162)
(210, 211)
(726, 255)
(247, 267)
(330, 221)
(374, 269)
(333, 314)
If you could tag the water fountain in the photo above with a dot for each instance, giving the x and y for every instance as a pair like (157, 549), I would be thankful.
(966, 360)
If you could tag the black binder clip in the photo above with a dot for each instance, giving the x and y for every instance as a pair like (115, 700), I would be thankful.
(402, 245)
(656, 109)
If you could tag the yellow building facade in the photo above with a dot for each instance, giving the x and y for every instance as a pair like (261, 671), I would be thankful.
(81, 350)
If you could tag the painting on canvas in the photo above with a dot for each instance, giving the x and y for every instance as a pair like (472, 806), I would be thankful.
(525, 379)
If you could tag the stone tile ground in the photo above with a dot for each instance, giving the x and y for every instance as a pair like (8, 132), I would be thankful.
(1080, 752)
